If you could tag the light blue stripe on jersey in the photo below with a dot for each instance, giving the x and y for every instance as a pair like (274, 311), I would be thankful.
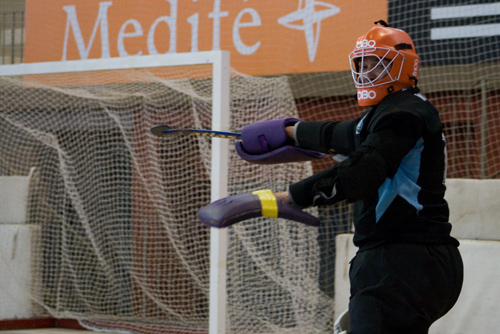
(404, 183)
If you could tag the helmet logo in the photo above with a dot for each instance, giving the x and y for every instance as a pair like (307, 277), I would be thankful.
(365, 44)
(367, 94)
(415, 68)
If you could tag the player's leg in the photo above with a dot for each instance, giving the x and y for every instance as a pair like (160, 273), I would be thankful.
(403, 288)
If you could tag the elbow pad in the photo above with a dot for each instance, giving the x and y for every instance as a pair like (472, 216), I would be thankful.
(322, 188)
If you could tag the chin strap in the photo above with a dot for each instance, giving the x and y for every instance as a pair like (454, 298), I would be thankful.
(415, 80)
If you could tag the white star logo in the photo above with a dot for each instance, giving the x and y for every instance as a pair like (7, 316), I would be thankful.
(310, 18)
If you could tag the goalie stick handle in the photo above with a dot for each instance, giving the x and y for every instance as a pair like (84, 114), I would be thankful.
(166, 131)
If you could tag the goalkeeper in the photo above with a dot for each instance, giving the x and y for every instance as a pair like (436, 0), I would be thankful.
(408, 271)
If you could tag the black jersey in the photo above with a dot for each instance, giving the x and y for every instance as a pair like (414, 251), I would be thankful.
(394, 173)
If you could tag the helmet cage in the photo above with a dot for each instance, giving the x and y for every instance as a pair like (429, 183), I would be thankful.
(392, 70)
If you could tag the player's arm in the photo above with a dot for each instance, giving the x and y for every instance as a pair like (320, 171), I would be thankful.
(326, 137)
(367, 167)
(292, 140)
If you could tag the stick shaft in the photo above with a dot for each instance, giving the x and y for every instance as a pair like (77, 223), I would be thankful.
(166, 131)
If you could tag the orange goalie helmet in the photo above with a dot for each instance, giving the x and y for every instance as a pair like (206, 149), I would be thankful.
(393, 64)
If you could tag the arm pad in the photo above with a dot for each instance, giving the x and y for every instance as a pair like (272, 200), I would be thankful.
(234, 209)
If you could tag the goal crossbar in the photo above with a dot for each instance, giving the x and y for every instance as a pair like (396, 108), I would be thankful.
(119, 63)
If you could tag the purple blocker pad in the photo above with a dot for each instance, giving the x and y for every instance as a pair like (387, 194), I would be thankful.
(233, 209)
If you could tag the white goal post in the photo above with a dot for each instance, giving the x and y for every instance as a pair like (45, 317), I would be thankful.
(220, 147)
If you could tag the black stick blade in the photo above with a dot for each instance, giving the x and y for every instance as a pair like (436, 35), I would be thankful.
(161, 130)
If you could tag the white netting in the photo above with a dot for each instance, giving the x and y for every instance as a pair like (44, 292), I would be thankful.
(120, 240)
(120, 245)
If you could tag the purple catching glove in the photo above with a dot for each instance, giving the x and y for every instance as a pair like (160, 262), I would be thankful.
(262, 203)
(263, 137)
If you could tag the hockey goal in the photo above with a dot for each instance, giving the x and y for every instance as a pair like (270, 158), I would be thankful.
(120, 246)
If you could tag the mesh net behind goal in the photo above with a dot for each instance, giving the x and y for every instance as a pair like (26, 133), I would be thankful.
(120, 242)
(120, 246)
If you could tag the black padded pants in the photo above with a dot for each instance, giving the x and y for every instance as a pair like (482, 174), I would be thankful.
(399, 288)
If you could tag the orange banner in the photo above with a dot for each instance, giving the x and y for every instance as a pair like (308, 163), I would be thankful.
(264, 37)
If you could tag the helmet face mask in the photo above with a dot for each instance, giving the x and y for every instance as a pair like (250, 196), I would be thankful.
(383, 61)
(370, 69)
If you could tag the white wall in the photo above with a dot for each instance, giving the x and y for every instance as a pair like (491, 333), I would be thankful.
(18, 253)
(16, 270)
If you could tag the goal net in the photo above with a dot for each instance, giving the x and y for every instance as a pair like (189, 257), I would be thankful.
(120, 247)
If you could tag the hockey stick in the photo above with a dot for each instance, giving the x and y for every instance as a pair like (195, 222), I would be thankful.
(166, 131)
